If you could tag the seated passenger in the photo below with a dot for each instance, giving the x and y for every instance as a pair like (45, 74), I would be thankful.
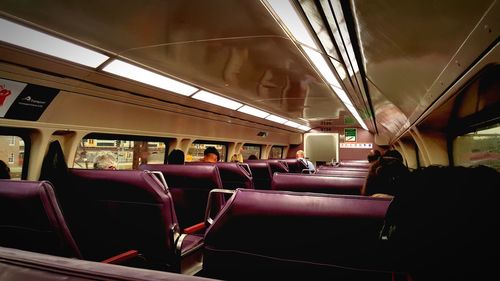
(252, 157)
(176, 157)
(310, 166)
(105, 161)
(384, 174)
(211, 155)
(373, 155)
(4, 170)
(237, 158)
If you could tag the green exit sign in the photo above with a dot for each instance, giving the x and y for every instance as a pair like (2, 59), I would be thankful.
(350, 134)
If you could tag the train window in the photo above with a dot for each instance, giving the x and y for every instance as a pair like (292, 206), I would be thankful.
(250, 149)
(276, 152)
(195, 152)
(129, 154)
(12, 151)
(481, 147)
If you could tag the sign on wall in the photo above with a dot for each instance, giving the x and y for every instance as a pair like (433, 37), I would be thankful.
(24, 101)
(350, 134)
(365, 145)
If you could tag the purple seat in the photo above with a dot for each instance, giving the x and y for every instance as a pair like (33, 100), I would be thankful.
(22, 265)
(354, 163)
(301, 236)
(342, 172)
(111, 212)
(233, 175)
(261, 173)
(189, 186)
(32, 220)
(317, 183)
(294, 165)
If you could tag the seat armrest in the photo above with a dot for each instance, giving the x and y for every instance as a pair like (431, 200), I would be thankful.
(194, 228)
(122, 257)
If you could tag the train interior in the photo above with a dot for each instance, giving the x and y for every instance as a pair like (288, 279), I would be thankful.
(332, 79)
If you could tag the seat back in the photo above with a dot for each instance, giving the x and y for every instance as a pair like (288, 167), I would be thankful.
(189, 186)
(301, 236)
(233, 175)
(317, 183)
(261, 173)
(342, 172)
(112, 211)
(32, 220)
(294, 165)
(354, 163)
(277, 166)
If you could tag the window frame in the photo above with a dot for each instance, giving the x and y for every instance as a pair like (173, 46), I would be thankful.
(282, 150)
(254, 144)
(24, 134)
(209, 142)
(123, 137)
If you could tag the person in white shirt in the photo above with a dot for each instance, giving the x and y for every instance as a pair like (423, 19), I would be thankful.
(310, 166)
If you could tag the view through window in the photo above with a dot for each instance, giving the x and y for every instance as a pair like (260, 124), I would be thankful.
(127, 153)
(481, 147)
(12, 154)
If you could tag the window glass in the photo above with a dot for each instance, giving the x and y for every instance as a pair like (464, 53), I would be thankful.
(276, 152)
(12, 154)
(195, 152)
(250, 149)
(481, 147)
(128, 154)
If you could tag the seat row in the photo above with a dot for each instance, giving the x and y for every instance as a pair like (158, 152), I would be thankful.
(106, 213)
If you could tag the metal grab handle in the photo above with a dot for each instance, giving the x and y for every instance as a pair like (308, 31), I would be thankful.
(161, 178)
(209, 220)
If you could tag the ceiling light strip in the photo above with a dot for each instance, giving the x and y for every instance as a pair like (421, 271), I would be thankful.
(133, 72)
(217, 100)
(28, 38)
(292, 21)
(253, 111)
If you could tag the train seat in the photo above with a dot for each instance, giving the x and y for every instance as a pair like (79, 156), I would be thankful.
(113, 211)
(189, 186)
(32, 220)
(354, 164)
(297, 235)
(22, 265)
(261, 173)
(233, 175)
(317, 183)
(294, 165)
(342, 172)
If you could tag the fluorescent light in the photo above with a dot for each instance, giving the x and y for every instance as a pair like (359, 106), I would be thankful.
(304, 128)
(342, 95)
(217, 100)
(320, 63)
(339, 68)
(276, 119)
(142, 75)
(28, 38)
(356, 115)
(293, 22)
(292, 124)
(253, 111)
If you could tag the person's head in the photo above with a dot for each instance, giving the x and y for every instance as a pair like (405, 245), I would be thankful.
(373, 155)
(299, 154)
(392, 153)
(106, 161)
(252, 157)
(4, 170)
(176, 157)
(211, 155)
(235, 158)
